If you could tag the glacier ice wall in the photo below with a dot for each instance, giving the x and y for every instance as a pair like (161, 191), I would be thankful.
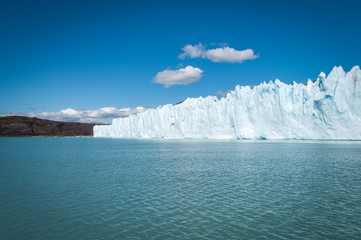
(328, 108)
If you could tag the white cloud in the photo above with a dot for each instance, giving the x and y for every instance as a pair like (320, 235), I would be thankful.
(182, 76)
(223, 94)
(101, 115)
(223, 54)
(195, 51)
(228, 54)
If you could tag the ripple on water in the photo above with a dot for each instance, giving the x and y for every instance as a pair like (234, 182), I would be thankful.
(85, 188)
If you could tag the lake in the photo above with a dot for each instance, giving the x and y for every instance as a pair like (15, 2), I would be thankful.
(93, 188)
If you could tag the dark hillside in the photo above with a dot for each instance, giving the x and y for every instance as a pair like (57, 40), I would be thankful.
(26, 126)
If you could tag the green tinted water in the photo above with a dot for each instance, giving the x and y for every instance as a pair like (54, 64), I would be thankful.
(88, 188)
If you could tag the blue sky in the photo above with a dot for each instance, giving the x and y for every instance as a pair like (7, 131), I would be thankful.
(87, 55)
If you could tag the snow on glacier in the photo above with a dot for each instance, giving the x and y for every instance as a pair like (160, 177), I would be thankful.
(328, 108)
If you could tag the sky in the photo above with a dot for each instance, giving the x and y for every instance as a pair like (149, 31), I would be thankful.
(91, 61)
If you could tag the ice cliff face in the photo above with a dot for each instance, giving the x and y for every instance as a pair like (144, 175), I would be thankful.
(329, 108)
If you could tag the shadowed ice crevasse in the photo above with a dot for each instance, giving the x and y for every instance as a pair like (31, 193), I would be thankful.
(328, 108)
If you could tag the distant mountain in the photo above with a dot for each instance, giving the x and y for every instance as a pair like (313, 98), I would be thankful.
(27, 126)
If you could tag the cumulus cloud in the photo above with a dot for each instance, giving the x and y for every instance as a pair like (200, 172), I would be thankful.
(222, 54)
(182, 76)
(102, 115)
(195, 51)
(223, 94)
(228, 54)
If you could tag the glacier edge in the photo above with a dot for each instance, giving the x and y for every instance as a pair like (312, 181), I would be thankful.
(328, 108)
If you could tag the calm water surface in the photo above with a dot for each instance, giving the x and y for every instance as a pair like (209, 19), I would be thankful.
(87, 188)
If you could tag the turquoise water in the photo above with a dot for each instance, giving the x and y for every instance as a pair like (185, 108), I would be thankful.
(87, 188)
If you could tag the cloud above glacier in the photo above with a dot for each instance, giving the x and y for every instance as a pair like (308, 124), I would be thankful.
(182, 76)
(228, 54)
(195, 51)
(222, 54)
(223, 93)
(102, 115)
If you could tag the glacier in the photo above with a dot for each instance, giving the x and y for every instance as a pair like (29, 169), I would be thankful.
(328, 108)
